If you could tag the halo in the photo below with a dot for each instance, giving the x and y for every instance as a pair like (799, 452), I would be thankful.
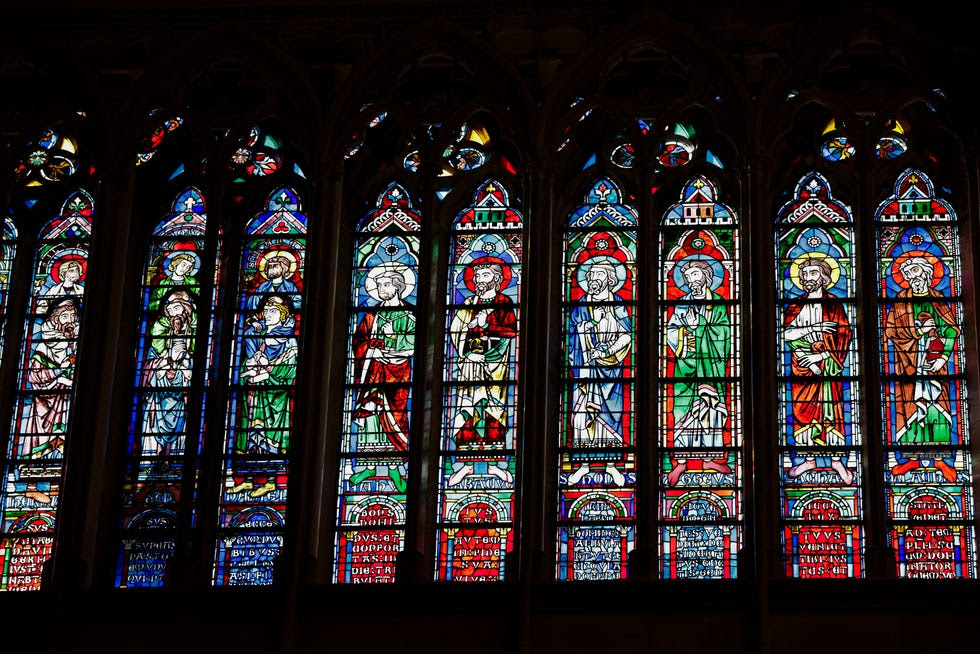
(196, 266)
(505, 270)
(278, 252)
(794, 268)
(716, 267)
(62, 260)
(582, 274)
(371, 283)
(938, 270)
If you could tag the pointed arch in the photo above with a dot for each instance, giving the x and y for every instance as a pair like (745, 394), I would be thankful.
(480, 436)
(41, 424)
(820, 437)
(174, 345)
(380, 382)
(597, 463)
(701, 386)
(926, 437)
(266, 351)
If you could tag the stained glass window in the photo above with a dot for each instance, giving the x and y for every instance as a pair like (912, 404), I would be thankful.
(265, 354)
(928, 472)
(836, 146)
(479, 426)
(152, 142)
(371, 509)
(175, 333)
(817, 370)
(8, 249)
(257, 155)
(700, 391)
(597, 478)
(892, 144)
(51, 157)
(41, 424)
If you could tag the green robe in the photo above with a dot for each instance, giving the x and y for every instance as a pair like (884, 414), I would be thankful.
(710, 327)
(266, 415)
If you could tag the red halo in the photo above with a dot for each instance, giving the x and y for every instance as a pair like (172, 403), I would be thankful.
(937, 268)
(58, 263)
(504, 269)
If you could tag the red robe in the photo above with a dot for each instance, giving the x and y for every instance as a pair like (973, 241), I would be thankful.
(810, 398)
(374, 379)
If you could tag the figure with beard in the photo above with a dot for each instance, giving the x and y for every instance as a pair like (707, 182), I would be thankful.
(275, 271)
(923, 332)
(268, 372)
(167, 371)
(383, 346)
(481, 333)
(599, 340)
(51, 374)
(818, 334)
(698, 334)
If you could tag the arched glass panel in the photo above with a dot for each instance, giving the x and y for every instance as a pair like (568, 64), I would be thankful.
(817, 369)
(597, 475)
(265, 354)
(478, 460)
(33, 469)
(928, 472)
(700, 391)
(8, 249)
(378, 398)
(167, 418)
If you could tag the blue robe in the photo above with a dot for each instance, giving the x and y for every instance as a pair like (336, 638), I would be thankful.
(600, 390)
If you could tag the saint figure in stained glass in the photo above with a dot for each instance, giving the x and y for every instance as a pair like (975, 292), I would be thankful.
(699, 336)
(599, 341)
(179, 269)
(383, 345)
(275, 270)
(51, 372)
(818, 334)
(65, 280)
(269, 368)
(482, 331)
(377, 421)
(167, 370)
(922, 331)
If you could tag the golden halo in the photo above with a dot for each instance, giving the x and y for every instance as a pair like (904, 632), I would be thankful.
(286, 254)
(794, 267)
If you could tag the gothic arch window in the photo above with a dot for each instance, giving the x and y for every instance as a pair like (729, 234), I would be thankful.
(650, 471)
(174, 352)
(480, 423)
(897, 498)
(926, 437)
(700, 392)
(819, 428)
(259, 354)
(430, 435)
(261, 407)
(175, 340)
(380, 378)
(41, 418)
(218, 343)
(597, 457)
